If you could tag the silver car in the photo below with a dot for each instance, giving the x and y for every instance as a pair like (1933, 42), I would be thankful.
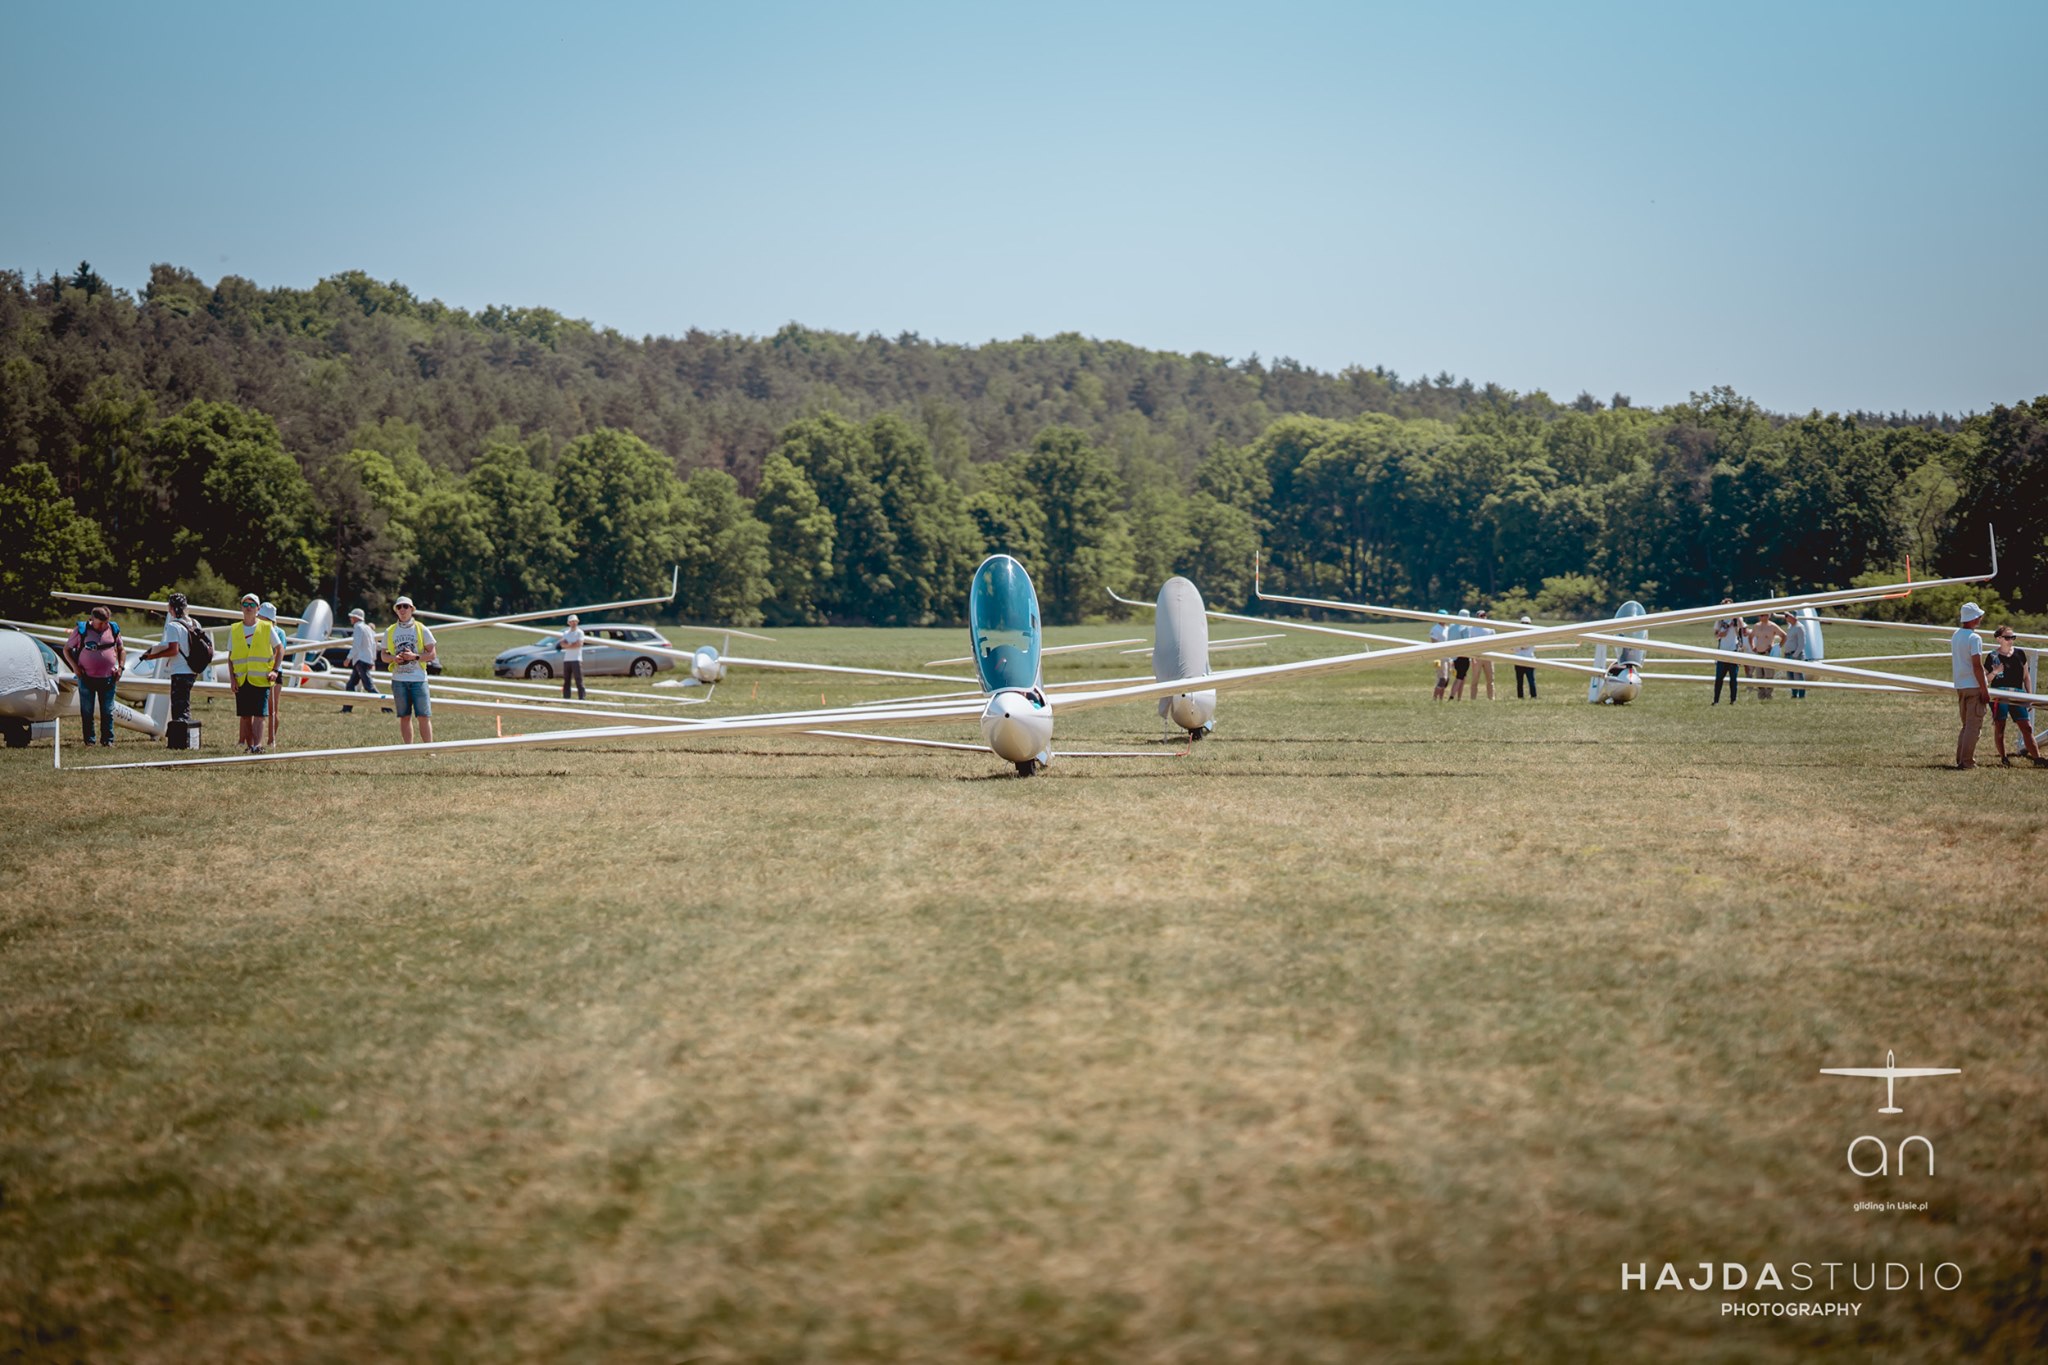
(607, 649)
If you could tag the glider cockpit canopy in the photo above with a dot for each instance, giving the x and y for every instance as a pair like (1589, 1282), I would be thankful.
(1002, 618)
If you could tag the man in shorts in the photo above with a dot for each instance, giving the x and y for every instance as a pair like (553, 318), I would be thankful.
(252, 658)
(408, 649)
(1973, 693)
(2006, 669)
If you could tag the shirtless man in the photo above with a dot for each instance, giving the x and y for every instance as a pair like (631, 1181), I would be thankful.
(1766, 638)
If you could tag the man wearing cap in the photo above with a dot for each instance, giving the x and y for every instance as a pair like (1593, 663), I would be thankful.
(177, 638)
(252, 659)
(408, 649)
(362, 655)
(1973, 690)
(572, 660)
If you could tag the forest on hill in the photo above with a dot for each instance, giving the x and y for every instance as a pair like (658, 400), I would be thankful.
(356, 440)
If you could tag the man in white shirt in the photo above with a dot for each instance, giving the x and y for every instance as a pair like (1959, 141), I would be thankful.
(362, 655)
(1438, 633)
(1729, 634)
(1973, 691)
(177, 637)
(408, 648)
(572, 660)
(1461, 664)
(1526, 672)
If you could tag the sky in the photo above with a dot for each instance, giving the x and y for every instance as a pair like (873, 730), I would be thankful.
(1833, 206)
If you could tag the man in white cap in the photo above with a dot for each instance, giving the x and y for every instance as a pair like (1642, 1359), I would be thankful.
(408, 649)
(572, 660)
(252, 661)
(362, 655)
(1973, 690)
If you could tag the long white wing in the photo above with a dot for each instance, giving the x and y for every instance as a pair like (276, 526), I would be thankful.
(1904, 589)
(1911, 626)
(1049, 649)
(1536, 635)
(144, 604)
(931, 712)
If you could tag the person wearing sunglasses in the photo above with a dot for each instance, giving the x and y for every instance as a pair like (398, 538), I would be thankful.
(2005, 668)
(408, 649)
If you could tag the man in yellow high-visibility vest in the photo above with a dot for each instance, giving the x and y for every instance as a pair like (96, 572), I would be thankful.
(252, 657)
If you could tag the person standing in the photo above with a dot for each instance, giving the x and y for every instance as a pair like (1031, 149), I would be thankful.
(2006, 670)
(1973, 692)
(176, 645)
(1765, 640)
(252, 659)
(1438, 633)
(408, 649)
(1729, 634)
(1795, 648)
(572, 660)
(1482, 665)
(94, 653)
(362, 655)
(268, 611)
(1526, 671)
(1461, 664)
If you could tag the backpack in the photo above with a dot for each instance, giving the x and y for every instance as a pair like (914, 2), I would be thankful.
(83, 631)
(198, 646)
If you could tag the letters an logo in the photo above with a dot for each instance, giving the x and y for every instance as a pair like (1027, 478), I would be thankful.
(1892, 1075)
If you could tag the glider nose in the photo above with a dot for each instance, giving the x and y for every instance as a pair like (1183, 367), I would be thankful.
(1191, 711)
(1016, 728)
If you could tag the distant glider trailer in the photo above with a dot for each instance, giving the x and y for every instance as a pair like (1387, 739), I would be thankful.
(1014, 708)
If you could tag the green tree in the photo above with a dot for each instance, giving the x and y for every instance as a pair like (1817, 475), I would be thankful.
(1162, 541)
(1087, 541)
(621, 509)
(461, 565)
(366, 518)
(234, 496)
(800, 533)
(48, 544)
(529, 560)
(723, 552)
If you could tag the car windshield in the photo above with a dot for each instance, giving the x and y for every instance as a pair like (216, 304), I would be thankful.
(1002, 620)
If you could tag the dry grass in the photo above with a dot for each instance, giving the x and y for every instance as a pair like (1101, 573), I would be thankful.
(1371, 1029)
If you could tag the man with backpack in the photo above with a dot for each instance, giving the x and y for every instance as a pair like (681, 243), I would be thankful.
(190, 650)
(94, 653)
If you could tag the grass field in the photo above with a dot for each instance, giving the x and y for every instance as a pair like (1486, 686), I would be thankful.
(1371, 1029)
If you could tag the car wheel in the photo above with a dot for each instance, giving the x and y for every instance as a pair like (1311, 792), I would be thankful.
(643, 668)
(539, 669)
(17, 736)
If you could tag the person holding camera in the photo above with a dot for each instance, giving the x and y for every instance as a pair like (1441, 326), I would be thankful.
(408, 649)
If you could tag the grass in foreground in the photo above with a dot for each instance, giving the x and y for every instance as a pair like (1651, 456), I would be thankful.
(1373, 1028)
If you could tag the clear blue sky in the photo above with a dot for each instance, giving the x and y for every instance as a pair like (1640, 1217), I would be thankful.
(1823, 205)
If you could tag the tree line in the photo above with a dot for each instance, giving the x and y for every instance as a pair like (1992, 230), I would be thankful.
(354, 440)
